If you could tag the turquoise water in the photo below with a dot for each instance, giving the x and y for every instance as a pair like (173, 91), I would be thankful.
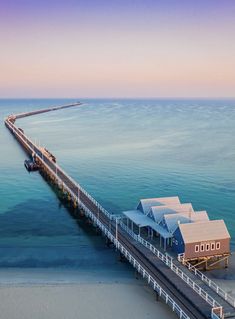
(120, 151)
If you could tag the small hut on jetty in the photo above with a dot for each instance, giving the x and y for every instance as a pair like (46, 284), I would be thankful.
(190, 234)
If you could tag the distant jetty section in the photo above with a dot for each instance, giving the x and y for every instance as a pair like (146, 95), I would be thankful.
(189, 296)
(12, 118)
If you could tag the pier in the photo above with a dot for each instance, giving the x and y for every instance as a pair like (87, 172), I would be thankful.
(188, 295)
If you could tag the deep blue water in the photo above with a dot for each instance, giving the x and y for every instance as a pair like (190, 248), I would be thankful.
(120, 151)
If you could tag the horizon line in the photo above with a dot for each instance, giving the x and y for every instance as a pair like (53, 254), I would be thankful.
(126, 98)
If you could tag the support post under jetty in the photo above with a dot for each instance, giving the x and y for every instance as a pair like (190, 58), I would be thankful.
(177, 293)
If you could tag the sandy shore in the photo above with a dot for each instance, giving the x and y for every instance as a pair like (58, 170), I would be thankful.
(225, 278)
(69, 294)
(55, 294)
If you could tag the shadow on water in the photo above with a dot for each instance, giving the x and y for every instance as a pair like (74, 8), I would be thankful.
(38, 233)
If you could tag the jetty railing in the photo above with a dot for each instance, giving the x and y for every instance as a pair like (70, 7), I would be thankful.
(169, 262)
(151, 281)
(145, 274)
(207, 280)
(54, 169)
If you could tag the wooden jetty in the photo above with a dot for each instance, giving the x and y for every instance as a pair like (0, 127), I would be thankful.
(188, 296)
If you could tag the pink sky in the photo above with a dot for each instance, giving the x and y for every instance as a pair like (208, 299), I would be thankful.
(124, 50)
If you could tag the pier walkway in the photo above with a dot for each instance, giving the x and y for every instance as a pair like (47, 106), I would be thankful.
(188, 298)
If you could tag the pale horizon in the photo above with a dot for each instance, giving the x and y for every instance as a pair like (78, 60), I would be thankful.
(129, 49)
(173, 98)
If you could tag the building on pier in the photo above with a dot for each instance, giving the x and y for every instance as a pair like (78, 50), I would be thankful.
(158, 212)
(178, 227)
(205, 244)
(146, 204)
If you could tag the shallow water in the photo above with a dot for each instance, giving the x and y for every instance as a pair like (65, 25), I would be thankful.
(120, 151)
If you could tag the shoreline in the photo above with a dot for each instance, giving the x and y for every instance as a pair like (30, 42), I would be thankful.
(225, 278)
(59, 294)
(57, 276)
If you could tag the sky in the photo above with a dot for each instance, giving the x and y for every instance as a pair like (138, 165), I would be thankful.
(117, 48)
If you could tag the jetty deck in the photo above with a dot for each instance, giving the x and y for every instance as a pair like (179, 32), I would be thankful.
(179, 291)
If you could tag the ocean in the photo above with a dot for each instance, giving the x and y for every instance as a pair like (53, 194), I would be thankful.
(120, 151)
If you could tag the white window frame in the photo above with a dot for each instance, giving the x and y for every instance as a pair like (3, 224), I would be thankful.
(197, 248)
(202, 245)
(217, 245)
(207, 246)
(212, 245)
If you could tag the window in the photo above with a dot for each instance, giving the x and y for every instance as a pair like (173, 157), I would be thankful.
(196, 248)
(202, 247)
(212, 246)
(207, 247)
(218, 245)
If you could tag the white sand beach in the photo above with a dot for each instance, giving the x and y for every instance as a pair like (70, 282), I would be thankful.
(69, 294)
(49, 294)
